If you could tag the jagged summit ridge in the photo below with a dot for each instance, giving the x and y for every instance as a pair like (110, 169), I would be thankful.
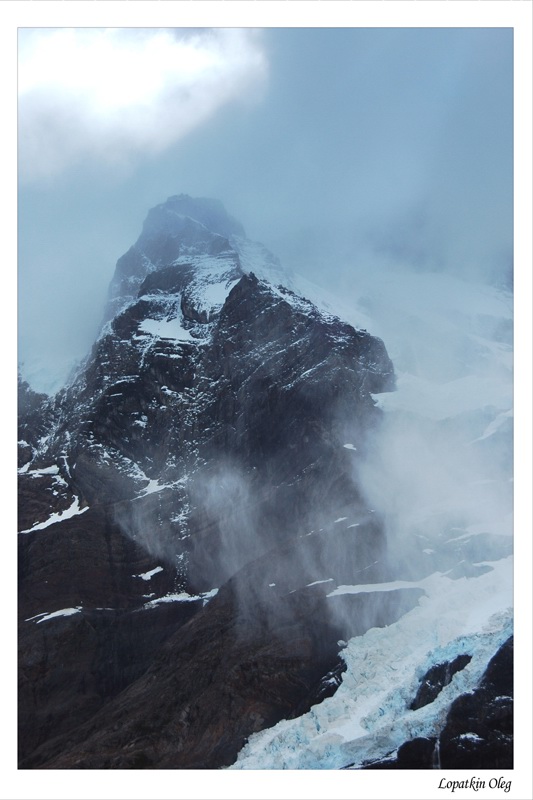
(198, 233)
(206, 211)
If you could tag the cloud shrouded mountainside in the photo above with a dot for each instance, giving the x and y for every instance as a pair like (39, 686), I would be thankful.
(377, 164)
(345, 150)
(248, 538)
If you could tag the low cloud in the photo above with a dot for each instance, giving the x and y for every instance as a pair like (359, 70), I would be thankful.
(113, 94)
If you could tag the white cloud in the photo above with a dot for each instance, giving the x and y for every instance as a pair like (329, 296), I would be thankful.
(115, 93)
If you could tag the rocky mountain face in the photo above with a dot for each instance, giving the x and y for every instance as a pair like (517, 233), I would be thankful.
(187, 505)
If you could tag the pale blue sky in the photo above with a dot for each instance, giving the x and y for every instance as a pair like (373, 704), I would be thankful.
(340, 149)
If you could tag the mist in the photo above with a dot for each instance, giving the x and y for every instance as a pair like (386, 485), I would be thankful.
(224, 503)
(377, 165)
(375, 162)
(345, 151)
(440, 468)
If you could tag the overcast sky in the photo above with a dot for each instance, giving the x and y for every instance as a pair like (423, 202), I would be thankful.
(341, 149)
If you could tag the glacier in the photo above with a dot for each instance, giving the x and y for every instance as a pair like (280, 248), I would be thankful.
(368, 717)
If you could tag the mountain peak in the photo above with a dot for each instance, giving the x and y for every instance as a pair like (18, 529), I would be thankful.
(197, 233)
(168, 217)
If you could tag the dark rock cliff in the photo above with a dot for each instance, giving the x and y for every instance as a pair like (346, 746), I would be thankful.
(201, 440)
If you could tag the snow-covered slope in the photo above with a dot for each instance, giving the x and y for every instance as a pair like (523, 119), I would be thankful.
(450, 339)
(445, 449)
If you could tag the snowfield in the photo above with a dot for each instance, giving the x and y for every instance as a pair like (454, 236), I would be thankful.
(166, 329)
(63, 612)
(59, 516)
(181, 597)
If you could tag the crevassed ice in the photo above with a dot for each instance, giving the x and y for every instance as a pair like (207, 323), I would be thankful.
(369, 715)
